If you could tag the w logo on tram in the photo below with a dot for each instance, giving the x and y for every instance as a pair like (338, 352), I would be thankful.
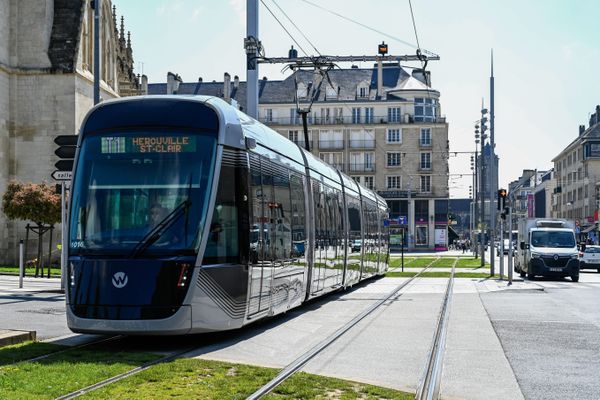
(119, 280)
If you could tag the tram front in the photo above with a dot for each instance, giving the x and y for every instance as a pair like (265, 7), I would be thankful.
(142, 184)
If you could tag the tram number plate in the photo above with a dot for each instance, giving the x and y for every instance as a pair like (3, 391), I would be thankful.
(555, 269)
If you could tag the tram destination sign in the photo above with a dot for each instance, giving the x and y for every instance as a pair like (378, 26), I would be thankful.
(62, 175)
(148, 144)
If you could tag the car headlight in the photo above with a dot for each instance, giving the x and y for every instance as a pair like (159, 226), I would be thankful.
(535, 255)
(575, 255)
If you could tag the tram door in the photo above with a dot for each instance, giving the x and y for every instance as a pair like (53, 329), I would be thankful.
(261, 237)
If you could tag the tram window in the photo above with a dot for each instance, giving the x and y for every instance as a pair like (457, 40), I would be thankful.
(298, 215)
(222, 245)
(282, 212)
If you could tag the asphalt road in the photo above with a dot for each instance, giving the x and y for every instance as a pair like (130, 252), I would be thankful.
(551, 335)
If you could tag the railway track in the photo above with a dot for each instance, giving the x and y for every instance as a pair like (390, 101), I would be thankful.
(428, 386)
(430, 382)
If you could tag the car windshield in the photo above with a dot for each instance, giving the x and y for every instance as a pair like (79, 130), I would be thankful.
(563, 239)
(592, 249)
(141, 191)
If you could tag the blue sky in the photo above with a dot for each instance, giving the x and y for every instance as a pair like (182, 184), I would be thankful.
(546, 58)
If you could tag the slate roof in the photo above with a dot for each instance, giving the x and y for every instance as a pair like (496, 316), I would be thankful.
(346, 81)
(64, 40)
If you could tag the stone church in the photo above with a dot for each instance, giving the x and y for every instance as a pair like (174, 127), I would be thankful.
(46, 86)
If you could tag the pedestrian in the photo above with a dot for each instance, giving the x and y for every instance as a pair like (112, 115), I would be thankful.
(464, 247)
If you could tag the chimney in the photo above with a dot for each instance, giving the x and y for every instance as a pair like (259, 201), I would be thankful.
(227, 86)
(200, 80)
(581, 129)
(173, 81)
(144, 84)
(236, 81)
(593, 119)
(379, 78)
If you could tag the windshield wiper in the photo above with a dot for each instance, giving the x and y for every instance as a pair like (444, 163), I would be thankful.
(156, 232)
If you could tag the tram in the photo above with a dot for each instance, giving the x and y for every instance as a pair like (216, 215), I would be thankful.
(188, 216)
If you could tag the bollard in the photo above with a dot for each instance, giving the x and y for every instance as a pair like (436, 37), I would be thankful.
(21, 264)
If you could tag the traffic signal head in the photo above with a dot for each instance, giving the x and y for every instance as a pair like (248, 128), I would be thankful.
(502, 194)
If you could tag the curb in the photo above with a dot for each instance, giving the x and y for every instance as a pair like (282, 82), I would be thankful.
(10, 337)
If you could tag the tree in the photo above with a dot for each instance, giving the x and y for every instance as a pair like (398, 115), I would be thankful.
(33, 202)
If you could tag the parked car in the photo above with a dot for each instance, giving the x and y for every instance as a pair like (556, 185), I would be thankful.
(506, 247)
(356, 245)
(589, 258)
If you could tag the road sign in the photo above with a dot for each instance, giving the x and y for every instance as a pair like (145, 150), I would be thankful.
(64, 165)
(61, 175)
(66, 140)
(66, 152)
(402, 220)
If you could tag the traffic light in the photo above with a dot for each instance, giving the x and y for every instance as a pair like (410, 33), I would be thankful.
(501, 198)
(66, 151)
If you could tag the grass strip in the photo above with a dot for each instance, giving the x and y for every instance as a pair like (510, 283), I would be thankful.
(29, 271)
(204, 379)
(63, 373)
(442, 274)
(26, 351)
(396, 262)
(470, 263)
(446, 262)
(420, 262)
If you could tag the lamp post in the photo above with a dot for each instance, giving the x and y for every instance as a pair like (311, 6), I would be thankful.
(483, 136)
(474, 198)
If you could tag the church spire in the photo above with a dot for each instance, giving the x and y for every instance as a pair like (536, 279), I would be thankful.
(122, 33)
(114, 15)
(129, 40)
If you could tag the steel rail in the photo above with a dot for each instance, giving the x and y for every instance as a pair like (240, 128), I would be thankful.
(80, 346)
(429, 386)
(124, 375)
(298, 363)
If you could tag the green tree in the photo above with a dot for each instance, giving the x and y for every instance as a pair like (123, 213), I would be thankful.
(31, 202)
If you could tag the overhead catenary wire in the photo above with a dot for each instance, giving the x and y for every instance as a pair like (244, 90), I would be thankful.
(368, 27)
(295, 26)
(284, 28)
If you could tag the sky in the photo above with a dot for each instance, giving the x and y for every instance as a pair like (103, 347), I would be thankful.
(546, 59)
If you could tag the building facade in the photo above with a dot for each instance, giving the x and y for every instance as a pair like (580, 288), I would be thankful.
(577, 170)
(382, 126)
(46, 86)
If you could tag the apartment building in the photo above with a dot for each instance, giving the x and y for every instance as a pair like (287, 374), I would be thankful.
(382, 126)
(577, 170)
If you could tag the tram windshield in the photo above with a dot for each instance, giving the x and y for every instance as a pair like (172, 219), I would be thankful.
(141, 192)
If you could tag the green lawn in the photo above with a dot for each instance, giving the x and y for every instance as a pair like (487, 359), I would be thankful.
(470, 263)
(441, 274)
(396, 262)
(202, 379)
(30, 271)
(183, 378)
(420, 262)
(444, 262)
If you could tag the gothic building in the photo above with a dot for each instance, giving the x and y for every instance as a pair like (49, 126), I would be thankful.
(46, 85)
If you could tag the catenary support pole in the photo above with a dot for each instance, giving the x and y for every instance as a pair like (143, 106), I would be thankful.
(97, 6)
(493, 184)
(252, 53)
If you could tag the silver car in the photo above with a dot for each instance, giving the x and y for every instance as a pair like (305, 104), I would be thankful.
(590, 258)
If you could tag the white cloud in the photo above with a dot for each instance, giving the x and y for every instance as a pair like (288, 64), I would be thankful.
(239, 8)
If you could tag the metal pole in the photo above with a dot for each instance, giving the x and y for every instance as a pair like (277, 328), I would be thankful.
(63, 237)
(492, 168)
(510, 241)
(475, 199)
(252, 58)
(21, 263)
(482, 197)
(97, 5)
(501, 248)
(402, 247)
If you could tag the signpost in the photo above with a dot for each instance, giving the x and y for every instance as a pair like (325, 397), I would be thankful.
(61, 175)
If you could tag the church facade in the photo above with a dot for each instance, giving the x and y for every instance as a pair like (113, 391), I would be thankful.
(46, 86)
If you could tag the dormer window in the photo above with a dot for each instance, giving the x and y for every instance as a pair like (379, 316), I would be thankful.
(363, 91)
(331, 92)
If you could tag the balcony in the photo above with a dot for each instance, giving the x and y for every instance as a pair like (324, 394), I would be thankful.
(331, 144)
(301, 143)
(369, 167)
(348, 120)
(362, 144)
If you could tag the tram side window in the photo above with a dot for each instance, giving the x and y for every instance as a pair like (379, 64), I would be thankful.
(257, 235)
(282, 210)
(298, 215)
(223, 240)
